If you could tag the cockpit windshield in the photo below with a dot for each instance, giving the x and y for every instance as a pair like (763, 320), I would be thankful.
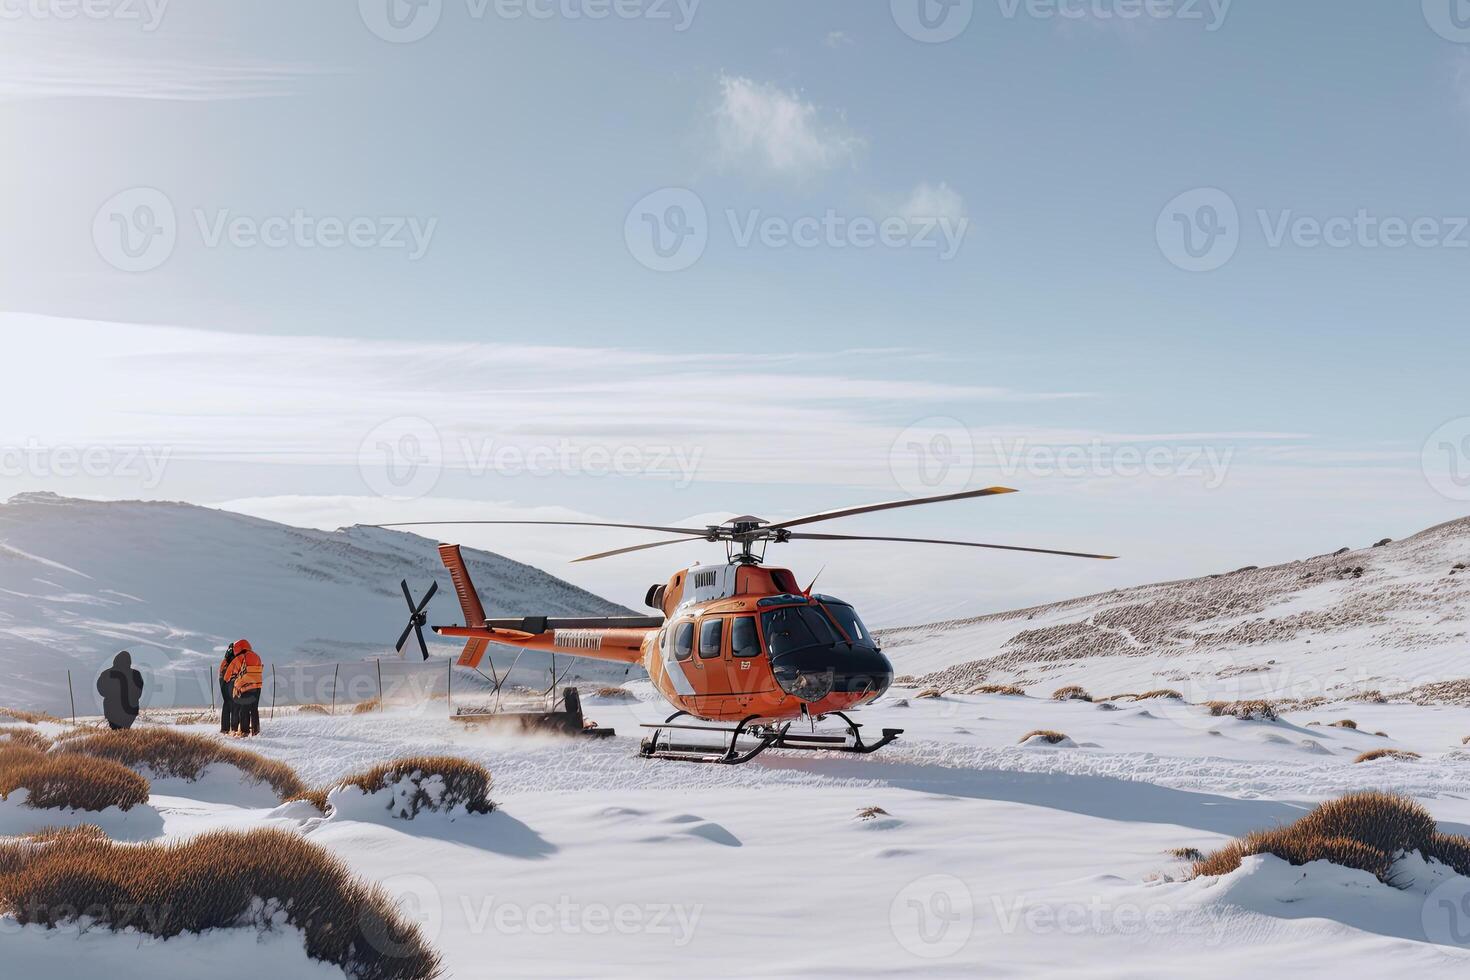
(847, 619)
(796, 628)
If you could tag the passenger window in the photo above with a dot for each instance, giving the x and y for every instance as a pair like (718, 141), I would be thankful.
(683, 641)
(710, 632)
(743, 639)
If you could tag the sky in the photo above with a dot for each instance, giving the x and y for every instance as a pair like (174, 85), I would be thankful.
(1189, 274)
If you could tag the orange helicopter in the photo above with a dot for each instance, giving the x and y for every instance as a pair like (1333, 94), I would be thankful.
(740, 643)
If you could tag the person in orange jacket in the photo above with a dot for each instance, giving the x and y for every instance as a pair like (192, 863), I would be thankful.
(246, 675)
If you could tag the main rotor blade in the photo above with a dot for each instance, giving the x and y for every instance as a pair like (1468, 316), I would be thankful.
(407, 595)
(419, 631)
(963, 544)
(636, 547)
(404, 638)
(700, 531)
(830, 515)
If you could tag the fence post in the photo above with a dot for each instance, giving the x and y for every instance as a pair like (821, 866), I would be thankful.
(273, 692)
(72, 696)
(449, 686)
(210, 681)
(379, 664)
(335, 668)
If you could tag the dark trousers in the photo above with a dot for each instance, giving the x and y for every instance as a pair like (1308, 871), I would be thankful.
(227, 708)
(247, 713)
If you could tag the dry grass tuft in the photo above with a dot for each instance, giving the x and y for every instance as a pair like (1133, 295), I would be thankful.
(226, 879)
(1163, 692)
(1398, 754)
(1122, 697)
(466, 783)
(616, 693)
(871, 813)
(1045, 735)
(1362, 830)
(60, 781)
(1186, 853)
(1345, 723)
(1008, 690)
(196, 718)
(28, 717)
(1244, 710)
(932, 692)
(312, 709)
(167, 753)
(1071, 692)
(26, 737)
(368, 706)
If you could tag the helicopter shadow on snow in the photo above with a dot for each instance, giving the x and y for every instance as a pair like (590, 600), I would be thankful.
(1103, 797)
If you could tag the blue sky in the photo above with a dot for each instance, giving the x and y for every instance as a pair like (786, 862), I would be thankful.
(1036, 173)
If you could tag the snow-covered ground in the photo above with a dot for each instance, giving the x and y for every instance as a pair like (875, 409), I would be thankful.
(989, 857)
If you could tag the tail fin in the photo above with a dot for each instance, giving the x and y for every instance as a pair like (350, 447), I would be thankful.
(469, 602)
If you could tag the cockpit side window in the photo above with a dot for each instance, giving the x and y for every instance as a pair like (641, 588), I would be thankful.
(683, 640)
(710, 633)
(743, 639)
(797, 628)
(847, 619)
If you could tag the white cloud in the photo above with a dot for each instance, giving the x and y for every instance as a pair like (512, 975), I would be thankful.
(929, 202)
(838, 39)
(770, 130)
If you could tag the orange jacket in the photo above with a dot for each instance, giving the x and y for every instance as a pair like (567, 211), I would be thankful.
(245, 673)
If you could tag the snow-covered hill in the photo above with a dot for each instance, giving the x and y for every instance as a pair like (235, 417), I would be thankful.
(1393, 618)
(173, 583)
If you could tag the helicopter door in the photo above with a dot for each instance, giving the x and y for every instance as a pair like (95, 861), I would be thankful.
(712, 662)
(678, 652)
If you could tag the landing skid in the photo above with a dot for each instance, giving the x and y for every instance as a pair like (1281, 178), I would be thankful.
(661, 744)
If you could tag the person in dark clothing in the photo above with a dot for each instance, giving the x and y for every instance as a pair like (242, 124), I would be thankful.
(121, 688)
(226, 693)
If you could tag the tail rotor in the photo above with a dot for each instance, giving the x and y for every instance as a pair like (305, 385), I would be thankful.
(418, 618)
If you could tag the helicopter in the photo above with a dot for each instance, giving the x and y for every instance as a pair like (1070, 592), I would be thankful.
(740, 648)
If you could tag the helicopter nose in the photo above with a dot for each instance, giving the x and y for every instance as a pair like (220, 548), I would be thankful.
(816, 672)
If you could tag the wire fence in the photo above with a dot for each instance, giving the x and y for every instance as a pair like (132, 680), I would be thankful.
(337, 687)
